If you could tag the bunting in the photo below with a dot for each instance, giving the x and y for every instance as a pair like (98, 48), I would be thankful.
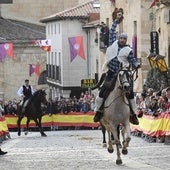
(153, 3)
(6, 50)
(34, 68)
(76, 47)
(44, 44)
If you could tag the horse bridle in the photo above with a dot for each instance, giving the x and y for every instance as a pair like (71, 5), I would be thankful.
(129, 77)
(129, 80)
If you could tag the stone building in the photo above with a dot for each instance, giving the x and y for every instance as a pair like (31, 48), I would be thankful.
(13, 71)
(32, 11)
(65, 76)
(19, 23)
(140, 19)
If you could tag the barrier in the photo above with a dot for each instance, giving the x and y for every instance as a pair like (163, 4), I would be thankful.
(3, 127)
(149, 125)
(70, 119)
(153, 126)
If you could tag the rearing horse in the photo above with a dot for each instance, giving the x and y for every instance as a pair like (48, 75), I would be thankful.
(33, 110)
(116, 112)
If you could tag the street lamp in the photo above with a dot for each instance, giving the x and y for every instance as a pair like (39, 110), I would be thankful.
(161, 64)
(151, 58)
(158, 61)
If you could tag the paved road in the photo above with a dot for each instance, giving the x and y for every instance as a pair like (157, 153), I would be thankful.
(79, 150)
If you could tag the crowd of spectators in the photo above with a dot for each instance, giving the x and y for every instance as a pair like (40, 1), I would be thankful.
(154, 102)
(149, 101)
(84, 104)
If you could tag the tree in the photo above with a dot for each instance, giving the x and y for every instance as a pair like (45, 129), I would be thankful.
(155, 78)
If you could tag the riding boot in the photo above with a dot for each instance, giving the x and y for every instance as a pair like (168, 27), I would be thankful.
(133, 108)
(2, 152)
(99, 113)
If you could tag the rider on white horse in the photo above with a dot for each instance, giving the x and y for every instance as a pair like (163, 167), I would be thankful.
(118, 52)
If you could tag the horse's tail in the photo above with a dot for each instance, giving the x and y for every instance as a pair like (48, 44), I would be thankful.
(98, 84)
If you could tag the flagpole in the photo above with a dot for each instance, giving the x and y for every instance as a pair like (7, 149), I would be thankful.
(88, 57)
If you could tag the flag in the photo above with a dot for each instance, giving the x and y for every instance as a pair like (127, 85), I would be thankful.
(153, 3)
(34, 68)
(76, 47)
(134, 45)
(37, 70)
(44, 44)
(6, 50)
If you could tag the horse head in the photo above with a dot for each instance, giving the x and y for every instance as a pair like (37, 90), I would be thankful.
(125, 79)
(41, 96)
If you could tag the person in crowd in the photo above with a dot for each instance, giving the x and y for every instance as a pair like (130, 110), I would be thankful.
(11, 109)
(85, 106)
(117, 49)
(1, 107)
(167, 104)
(50, 107)
(92, 104)
(87, 96)
(144, 91)
(153, 107)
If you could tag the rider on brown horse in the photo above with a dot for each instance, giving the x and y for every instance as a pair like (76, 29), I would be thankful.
(25, 91)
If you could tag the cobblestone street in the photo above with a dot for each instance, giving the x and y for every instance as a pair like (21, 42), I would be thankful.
(79, 150)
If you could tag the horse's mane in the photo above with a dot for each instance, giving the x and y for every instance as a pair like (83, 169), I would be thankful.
(36, 93)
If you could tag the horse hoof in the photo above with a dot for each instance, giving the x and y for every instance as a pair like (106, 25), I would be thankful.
(19, 134)
(119, 162)
(110, 150)
(119, 145)
(43, 135)
(104, 145)
(26, 132)
(124, 151)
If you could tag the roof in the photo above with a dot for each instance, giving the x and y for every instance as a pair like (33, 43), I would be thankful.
(13, 30)
(81, 11)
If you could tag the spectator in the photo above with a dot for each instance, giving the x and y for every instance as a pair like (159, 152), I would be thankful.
(167, 104)
(1, 107)
(85, 106)
(50, 107)
(153, 107)
(92, 104)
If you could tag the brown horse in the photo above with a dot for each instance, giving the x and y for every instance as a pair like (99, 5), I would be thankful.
(116, 112)
(33, 110)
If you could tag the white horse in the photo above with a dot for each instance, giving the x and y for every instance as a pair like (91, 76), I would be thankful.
(116, 111)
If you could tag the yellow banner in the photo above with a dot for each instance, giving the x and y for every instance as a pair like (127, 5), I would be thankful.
(3, 126)
(153, 126)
